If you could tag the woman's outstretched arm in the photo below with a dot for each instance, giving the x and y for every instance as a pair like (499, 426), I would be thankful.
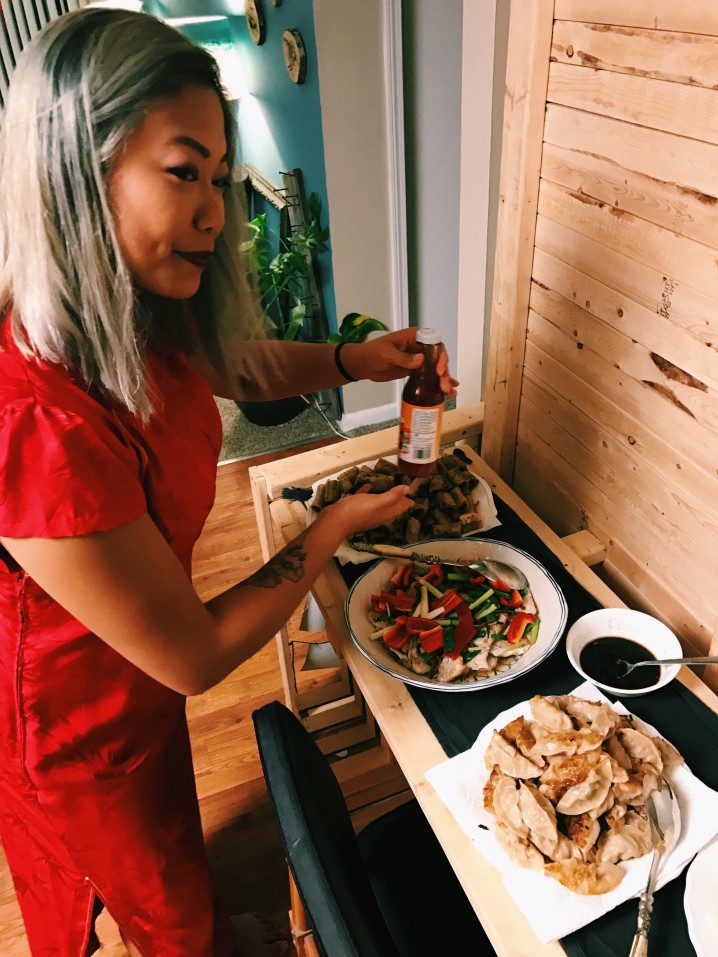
(128, 587)
(271, 369)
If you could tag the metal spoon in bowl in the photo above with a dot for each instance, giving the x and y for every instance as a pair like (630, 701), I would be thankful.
(490, 568)
(691, 662)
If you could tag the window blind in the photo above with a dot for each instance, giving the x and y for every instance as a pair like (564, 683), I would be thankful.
(20, 20)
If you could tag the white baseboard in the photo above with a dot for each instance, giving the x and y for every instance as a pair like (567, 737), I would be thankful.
(380, 413)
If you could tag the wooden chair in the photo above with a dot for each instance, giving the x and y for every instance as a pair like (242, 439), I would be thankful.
(388, 892)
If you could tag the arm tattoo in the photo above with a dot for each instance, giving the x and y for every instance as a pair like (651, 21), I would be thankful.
(289, 564)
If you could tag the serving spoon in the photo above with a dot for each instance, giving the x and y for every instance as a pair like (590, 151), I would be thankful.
(491, 568)
(691, 662)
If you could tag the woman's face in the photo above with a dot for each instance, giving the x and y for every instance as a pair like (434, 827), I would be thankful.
(166, 192)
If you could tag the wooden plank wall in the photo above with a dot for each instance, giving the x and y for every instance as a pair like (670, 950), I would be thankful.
(616, 427)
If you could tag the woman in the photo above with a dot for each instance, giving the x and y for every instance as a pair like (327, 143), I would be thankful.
(121, 280)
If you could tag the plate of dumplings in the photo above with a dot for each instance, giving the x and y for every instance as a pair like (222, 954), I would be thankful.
(567, 787)
(552, 794)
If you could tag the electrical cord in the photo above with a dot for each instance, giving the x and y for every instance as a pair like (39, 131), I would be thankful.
(314, 404)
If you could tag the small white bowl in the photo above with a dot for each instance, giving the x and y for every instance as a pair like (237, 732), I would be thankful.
(625, 623)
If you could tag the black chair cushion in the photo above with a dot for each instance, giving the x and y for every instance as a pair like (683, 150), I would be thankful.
(423, 903)
(392, 892)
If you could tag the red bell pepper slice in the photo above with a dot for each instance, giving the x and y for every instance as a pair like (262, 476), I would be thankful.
(519, 624)
(477, 580)
(514, 601)
(398, 602)
(416, 625)
(432, 639)
(378, 605)
(449, 601)
(402, 576)
(396, 636)
(435, 575)
(464, 631)
(499, 584)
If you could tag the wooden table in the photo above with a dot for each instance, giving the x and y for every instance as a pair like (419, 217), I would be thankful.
(404, 728)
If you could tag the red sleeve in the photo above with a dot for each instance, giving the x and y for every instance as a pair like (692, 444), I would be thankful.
(62, 476)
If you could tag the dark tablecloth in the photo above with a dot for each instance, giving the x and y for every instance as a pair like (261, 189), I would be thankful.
(686, 722)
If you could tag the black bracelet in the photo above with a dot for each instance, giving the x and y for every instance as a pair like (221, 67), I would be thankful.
(338, 361)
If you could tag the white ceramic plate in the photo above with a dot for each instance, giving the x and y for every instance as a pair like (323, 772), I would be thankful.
(549, 600)
(700, 901)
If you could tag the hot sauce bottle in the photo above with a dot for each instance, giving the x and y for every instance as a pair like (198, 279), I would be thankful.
(422, 407)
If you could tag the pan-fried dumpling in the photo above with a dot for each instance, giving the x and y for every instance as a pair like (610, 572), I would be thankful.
(584, 711)
(605, 720)
(511, 731)
(652, 779)
(539, 817)
(518, 733)
(583, 831)
(564, 771)
(491, 783)
(604, 806)
(616, 813)
(630, 791)
(629, 838)
(526, 742)
(618, 752)
(618, 771)
(640, 748)
(505, 806)
(597, 715)
(566, 849)
(585, 878)
(549, 715)
(590, 792)
(521, 852)
(564, 742)
(510, 760)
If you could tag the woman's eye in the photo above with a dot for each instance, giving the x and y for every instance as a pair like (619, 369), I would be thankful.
(188, 174)
(223, 182)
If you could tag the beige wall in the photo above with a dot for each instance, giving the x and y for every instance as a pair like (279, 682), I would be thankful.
(350, 43)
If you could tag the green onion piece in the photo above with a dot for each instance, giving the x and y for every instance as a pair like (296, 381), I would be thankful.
(431, 588)
(486, 611)
(481, 599)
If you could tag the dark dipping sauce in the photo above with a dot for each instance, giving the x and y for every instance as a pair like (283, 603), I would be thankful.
(600, 657)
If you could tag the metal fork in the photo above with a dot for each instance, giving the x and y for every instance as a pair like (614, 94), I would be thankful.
(490, 568)
(659, 806)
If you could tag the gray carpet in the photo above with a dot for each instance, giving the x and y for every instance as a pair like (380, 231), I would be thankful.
(243, 440)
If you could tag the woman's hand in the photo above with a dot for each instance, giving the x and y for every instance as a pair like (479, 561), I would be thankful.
(357, 513)
(393, 356)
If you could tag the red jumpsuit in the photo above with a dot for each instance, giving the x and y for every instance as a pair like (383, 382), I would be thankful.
(97, 792)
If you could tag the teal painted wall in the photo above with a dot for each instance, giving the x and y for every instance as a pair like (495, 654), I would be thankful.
(280, 122)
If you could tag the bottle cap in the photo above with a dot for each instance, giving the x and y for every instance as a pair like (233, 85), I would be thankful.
(428, 337)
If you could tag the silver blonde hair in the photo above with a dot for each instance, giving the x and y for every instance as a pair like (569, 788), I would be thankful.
(80, 89)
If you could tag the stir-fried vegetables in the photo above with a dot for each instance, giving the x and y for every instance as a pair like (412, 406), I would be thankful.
(451, 624)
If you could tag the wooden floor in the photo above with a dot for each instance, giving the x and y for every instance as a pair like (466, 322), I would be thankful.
(243, 844)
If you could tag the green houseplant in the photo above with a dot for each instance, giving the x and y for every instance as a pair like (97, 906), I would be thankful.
(281, 279)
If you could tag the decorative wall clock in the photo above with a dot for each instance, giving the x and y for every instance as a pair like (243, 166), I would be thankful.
(295, 55)
(255, 20)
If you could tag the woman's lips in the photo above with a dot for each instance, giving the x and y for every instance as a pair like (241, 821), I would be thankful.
(197, 259)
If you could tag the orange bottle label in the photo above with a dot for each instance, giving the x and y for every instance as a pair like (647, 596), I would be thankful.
(420, 432)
